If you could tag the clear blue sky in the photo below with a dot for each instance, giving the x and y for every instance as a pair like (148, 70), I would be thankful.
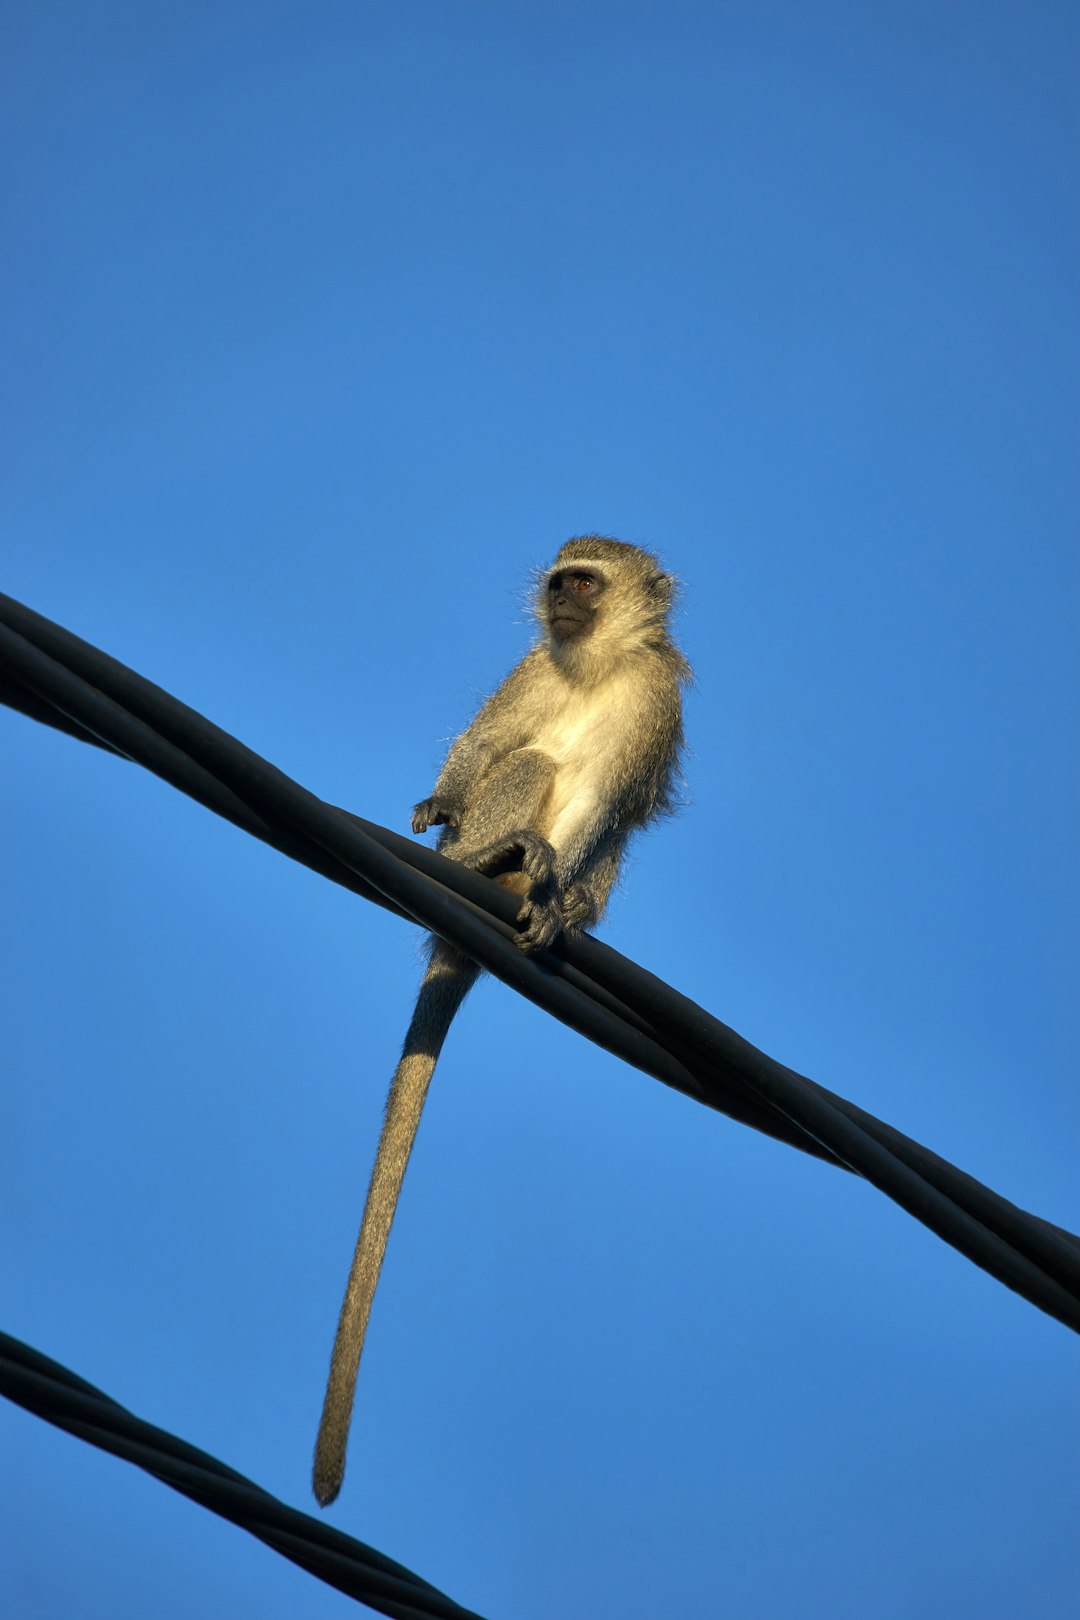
(322, 326)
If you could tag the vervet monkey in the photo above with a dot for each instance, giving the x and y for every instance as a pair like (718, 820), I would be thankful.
(576, 749)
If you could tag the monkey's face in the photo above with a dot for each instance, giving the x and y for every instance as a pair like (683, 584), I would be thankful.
(573, 596)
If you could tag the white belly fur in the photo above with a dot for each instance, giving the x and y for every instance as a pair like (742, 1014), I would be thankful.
(581, 741)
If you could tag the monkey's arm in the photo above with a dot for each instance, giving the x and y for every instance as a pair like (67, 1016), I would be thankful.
(498, 729)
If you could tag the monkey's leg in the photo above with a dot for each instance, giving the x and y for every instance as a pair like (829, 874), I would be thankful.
(508, 796)
(500, 837)
(445, 985)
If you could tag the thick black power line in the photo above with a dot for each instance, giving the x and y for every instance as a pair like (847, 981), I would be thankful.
(46, 1388)
(52, 676)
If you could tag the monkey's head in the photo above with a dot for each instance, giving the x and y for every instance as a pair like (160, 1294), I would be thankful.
(601, 590)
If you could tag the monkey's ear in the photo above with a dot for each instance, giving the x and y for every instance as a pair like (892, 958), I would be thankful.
(662, 590)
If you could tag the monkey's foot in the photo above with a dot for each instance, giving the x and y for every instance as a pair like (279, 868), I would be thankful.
(433, 812)
(523, 851)
(540, 922)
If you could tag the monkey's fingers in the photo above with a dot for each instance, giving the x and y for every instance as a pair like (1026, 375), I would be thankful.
(432, 813)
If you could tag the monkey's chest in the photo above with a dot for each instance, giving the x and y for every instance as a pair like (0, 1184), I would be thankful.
(578, 736)
(581, 745)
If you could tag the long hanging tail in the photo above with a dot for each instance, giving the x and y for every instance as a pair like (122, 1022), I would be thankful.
(447, 982)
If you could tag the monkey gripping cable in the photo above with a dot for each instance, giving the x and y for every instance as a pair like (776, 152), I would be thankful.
(54, 677)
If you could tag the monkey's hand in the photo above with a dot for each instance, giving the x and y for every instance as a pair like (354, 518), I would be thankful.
(434, 812)
(580, 908)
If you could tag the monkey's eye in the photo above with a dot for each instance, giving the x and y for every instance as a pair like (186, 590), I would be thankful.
(584, 582)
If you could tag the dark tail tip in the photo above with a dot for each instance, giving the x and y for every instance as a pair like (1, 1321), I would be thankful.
(326, 1478)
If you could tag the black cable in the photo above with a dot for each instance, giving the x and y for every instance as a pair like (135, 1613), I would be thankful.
(53, 676)
(581, 981)
(50, 1391)
(87, 688)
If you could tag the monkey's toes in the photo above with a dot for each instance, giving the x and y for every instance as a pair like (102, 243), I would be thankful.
(537, 859)
(539, 926)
